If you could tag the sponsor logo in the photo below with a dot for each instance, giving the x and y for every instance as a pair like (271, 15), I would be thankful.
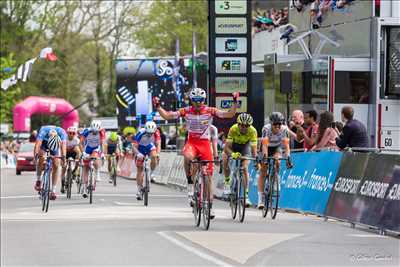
(227, 102)
(164, 69)
(231, 7)
(230, 25)
(230, 65)
(231, 45)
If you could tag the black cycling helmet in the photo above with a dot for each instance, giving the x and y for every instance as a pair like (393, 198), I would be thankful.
(276, 117)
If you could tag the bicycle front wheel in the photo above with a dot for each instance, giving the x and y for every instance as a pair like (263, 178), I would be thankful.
(90, 187)
(146, 188)
(267, 193)
(206, 207)
(114, 173)
(274, 196)
(69, 182)
(196, 204)
(233, 198)
(46, 192)
(241, 199)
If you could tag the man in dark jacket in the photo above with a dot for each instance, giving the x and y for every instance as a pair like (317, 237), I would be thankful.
(354, 132)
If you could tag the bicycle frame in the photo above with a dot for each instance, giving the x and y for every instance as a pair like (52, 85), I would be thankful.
(202, 194)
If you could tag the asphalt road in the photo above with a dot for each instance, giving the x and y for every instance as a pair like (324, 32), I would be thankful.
(118, 230)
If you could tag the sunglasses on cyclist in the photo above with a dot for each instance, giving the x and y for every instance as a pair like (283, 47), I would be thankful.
(277, 124)
(244, 125)
(71, 133)
(197, 99)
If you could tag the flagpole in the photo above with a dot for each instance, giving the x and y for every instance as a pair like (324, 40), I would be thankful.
(194, 60)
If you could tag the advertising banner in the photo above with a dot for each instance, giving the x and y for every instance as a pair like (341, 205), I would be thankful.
(307, 186)
(367, 190)
(230, 85)
(226, 25)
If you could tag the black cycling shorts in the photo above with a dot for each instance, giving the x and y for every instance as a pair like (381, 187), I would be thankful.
(71, 154)
(243, 149)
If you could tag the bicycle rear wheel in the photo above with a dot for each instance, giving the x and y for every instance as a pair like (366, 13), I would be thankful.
(146, 188)
(69, 182)
(233, 198)
(274, 193)
(241, 199)
(196, 204)
(206, 207)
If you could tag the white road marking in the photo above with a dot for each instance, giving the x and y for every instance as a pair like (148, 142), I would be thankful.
(100, 195)
(193, 250)
(93, 212)
(367, 235)
(230, 244)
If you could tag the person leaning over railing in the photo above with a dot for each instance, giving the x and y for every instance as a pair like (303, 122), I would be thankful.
(354, 132)
(327, 134)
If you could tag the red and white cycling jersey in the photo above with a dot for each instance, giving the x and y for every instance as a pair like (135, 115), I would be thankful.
(198, 123)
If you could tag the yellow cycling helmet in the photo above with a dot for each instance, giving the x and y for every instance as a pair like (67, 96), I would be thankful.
(129, 130)
(114, 136)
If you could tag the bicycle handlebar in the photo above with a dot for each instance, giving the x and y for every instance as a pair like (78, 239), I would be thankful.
(204, 161)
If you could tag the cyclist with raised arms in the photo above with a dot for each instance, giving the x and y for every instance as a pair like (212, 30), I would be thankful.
(146, 142)
(53, 139)
(113, 145)
(198, 118)
(92, 145)
(241, 141)
(73, 151)
(275, 135)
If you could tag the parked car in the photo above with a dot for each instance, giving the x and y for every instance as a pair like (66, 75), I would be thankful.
(25, 160)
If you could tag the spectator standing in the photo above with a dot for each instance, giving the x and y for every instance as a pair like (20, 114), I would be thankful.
(354, 132)
(311, 133)
(296, 134)
(326, 132)
(163, 138)
(32, 137)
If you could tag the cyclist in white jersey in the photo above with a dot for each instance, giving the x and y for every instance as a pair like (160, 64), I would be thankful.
(275, 135)
(73, 151)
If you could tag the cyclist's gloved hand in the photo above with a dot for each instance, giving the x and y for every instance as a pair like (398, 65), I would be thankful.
(156, 102)
(139, 156)
(235, 96)
(236, 155)
(289, 163)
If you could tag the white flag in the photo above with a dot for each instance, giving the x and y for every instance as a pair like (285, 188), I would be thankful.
(28, 69)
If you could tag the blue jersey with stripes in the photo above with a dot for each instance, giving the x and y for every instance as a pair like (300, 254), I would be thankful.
(44, 133)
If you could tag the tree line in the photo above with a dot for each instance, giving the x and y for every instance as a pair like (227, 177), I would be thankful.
(87, 37)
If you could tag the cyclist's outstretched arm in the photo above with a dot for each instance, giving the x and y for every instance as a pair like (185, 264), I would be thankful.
(287, 147)
(166, 115)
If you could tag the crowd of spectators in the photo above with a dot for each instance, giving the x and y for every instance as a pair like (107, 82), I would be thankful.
(318, 8)
(270, 19)
(8, 150)
(308, 131)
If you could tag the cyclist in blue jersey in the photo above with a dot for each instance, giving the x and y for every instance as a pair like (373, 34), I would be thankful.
(146, 142)
(92, 145)
(53, 139)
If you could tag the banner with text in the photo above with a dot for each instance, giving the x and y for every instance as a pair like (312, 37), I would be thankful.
(367, 190)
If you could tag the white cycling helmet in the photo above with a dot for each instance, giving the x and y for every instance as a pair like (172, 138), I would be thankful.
(53, 143)
(197, 95)
(95, 126)
(150, 127)
(72, 129)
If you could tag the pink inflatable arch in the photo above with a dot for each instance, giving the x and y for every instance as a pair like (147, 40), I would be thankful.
(46, 105)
